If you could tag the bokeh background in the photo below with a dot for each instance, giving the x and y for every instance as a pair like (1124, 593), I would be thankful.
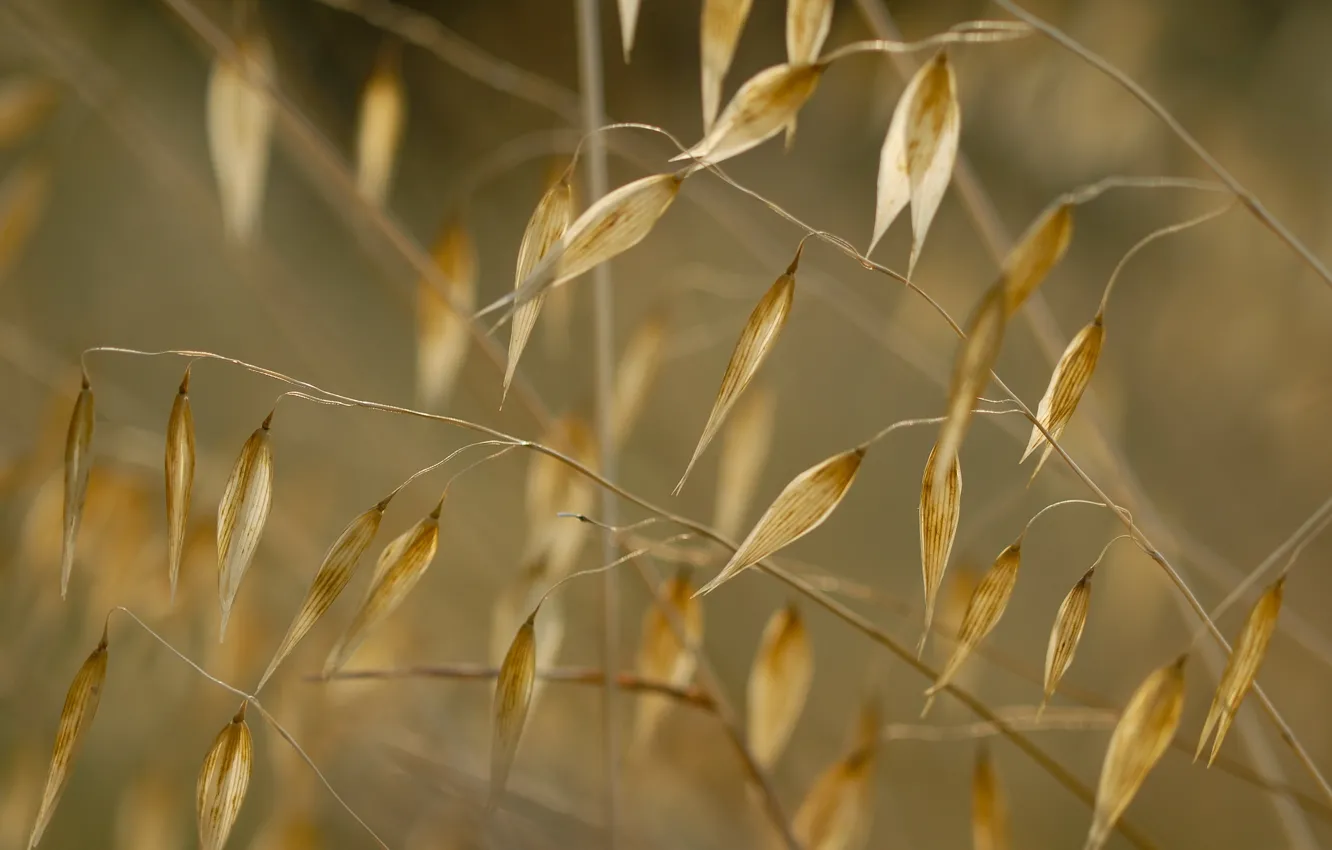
(1208, 419)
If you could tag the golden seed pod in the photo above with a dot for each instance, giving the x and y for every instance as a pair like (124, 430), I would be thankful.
(179, 477)
(662, 657)
(989, 811)
(987, 605)
(1066, 634)
(513, 696)
(241, 515)
(756, 341)
(77, 715)
(1141, 737)
(801, 507)
(240, 129)
(765, 104)
(746, 441)
(940, 511)
(779, 683)
(544, 229)
(383, 114)
(628, 24)
(1242, 668)
(971, 372)
(916, 161)
(442, 332)
(838, 810)
(635, 374)
(807, 25)
(719, 33)
(401, 565)
(334, 572)
(78, 463)
(223, 781)
(1037, 251)
(1072, 374)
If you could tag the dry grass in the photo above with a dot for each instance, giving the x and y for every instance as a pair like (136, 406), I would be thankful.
(223, 137)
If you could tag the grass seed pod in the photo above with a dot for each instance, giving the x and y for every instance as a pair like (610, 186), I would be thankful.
(223, 781)
(548, 223)
(513, 695)
(662, 657)
(1066, 634)
(241, 515)
(779, 683)
(78, 464)
(240, 129)
(719, 33)
(939, 513)
(383, 114)
(765, 104)
(179, 477)
(1072, 374)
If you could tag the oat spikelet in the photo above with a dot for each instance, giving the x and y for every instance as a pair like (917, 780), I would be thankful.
(240, 127)
(628, 24)
(1246, 657)
(402, 565)
(379, 129)
(223, 781)
(512, 607)
(837, 811)
(940, 510)
(989, 811)
(334, 572)
(916, 161)
(661, 656)
(971, 372)
(179, 477)
(1071, 376)
(984, 609)
(442, 334)
(765, 104)
(618, 221)
(756, 340)
(1140, 739)
(25, 102)
(78, 463)
(241, 515)
(801, 507)
(23, 194)
(553, 488)
(634, 375)
(1064, 637)
(548, 223)
(75, 718)
(746, 440)
(1039, 249)
(513, 695)
(722, 23)
(778, 684)
(807, 25)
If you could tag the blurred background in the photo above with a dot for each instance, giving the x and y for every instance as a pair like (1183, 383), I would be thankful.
(1208, 416)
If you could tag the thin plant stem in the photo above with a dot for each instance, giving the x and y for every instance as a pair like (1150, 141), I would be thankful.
(592, 91)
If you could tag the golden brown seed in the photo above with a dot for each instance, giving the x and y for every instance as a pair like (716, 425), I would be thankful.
(971, 372)
(940, 510)
(801, 507)
(778, 684)
(78, 463)
(1245, 658)
(403, 563)
(75, 718)
(746, 441)
(661, 655)
(720, 31)
(756, 340)
(334, 572)
(1140, 739)
(513, 605)
(1039, 249)
(837, 811)
(223, 781)
(513, 695)
(241, 515)
(379, 128)
(916, 161)
(618, 221)
(765, 104)
(628, 24)
(807, 25)
(442, 332)
(544, 229)
(984, 609)
(1072, 375)
(240, 127)
(179, 477)
(634, 375)
(1065, 635)
(989, 812)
